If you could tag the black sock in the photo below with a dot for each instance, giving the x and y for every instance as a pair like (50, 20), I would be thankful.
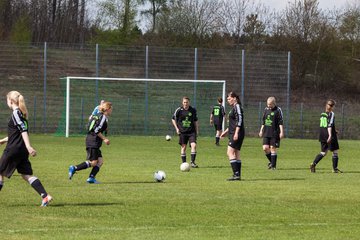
(39, 188)
(1, 185)
(83, 165)
(94, 171)
(335, 160)
(217, 140)
(233, 163)
(273, 160)
(183, 157)
(238, 168)
(318, 158)
(193, 157)
(268, 156)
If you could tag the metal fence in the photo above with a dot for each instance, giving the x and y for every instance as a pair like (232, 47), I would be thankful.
(36, 71)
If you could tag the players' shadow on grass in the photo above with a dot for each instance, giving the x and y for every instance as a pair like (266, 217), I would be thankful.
(133, 182)
(273, 179)
(344, 172)
(87, 204)
(70, 204)
(293, 169)
(212, 167)
(327, 171)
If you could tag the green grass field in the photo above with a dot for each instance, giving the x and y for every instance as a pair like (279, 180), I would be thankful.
(289, 203)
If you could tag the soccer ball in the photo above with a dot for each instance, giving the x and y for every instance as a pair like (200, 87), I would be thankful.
(159, 176)
(185, 167)
(168, 137)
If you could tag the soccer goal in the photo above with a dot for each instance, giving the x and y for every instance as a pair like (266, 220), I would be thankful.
(140, 106)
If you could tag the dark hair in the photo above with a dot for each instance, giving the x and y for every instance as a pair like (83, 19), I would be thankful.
(220, 100)
(186, 97)
(234, 95)
(331, 102)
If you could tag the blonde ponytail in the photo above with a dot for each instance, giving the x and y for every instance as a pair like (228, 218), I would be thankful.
(18, 100)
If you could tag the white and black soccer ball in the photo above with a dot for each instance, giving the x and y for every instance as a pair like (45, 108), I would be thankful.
(167, 137)
(159, 176)
(185, 167)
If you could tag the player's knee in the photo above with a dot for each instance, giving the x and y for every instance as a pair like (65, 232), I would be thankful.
(29, 178)
(231, 155)
(100, 162)
(272, 149)
(94, 163)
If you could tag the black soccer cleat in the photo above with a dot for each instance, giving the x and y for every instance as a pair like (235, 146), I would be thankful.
(234, 178)
(336, 170)
(312, 168)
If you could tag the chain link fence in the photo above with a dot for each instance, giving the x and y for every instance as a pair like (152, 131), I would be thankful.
(36, 72)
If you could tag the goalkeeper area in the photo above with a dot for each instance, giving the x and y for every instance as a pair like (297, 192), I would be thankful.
(140, 106)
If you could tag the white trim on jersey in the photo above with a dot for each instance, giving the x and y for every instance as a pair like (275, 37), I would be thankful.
(332, 119)
(97, 129)
(238, 111)
(18, 121)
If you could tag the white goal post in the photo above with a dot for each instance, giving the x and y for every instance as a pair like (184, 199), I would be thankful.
(71, 79)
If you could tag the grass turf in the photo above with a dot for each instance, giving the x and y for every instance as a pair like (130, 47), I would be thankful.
(289, 203)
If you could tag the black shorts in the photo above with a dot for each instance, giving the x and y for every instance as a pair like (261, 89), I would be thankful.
(272, 141)
(218, 126)
(185, 138)
(236, 144)
(332, 146)
(15, 160)
(93, 154)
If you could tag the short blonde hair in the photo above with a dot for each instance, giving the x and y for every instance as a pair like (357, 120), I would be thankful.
(105, 106)
(272, 99)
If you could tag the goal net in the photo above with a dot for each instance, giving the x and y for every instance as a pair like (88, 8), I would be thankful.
(140, 106)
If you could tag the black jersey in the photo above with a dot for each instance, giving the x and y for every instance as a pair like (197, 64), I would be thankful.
(272, 119)
(185, 119)
(218, 113)
(236, 119)
(92, 139)
(327, 120)
(17, 125)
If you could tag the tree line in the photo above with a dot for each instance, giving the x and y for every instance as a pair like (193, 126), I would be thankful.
(325, 44)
